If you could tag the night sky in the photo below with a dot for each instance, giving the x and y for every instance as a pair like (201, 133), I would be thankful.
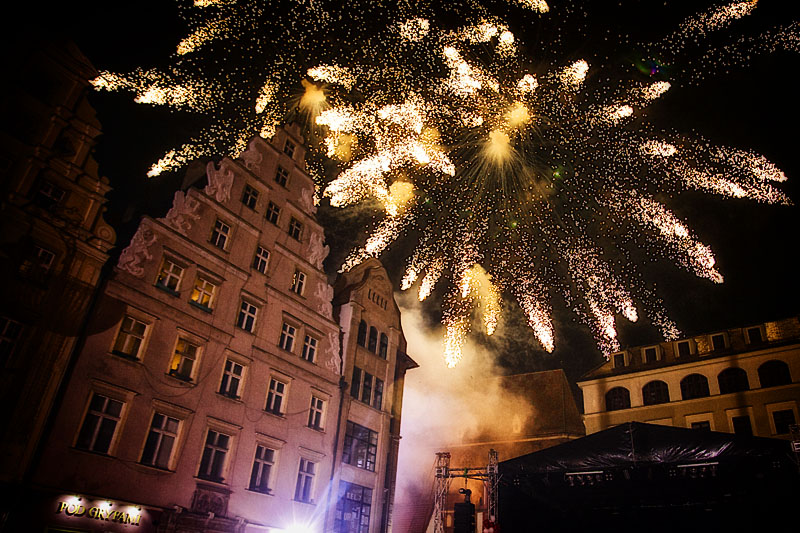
(752, 107)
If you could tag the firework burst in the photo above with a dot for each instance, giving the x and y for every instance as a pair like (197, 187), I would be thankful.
(522, 177)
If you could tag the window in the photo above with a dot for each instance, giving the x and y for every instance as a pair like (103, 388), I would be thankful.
(99, 424)
(360, 447)
(704, 425)
(733, 380)
(261, 260)
(160, 441)
(783, 419)
(231, 379)
(38, 262)
(169, 278)
(47, 195)
(130, 338)
(247, 316)
(288, 148)
(694, 386)
(287, 337)
(305, 481)
(384, 346)
(377, 397)
(316, 413)
(362, 334)
(774, 373)
(276, 397)
(298, 282)
(295, 228)
(684, 348)
(355, 383)
(754, 335)
(650, 354)
(281, 176)
(742, 426)
(372, 345)
(366, 388)
(220, 235)
(718, 342)
(655, 392)
(9, 334)
(215, 451)
(203, 293)
(184, 360)
(250, 197)
(273, 213)
(262, 467)
(618, 398)
(619, 360)
(309, 349)
(353, 508)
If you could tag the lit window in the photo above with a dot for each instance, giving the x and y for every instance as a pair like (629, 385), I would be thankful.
(220, 235)
(130, 337)
(309, 349)
(250, 197)
(169, 277)
(353, 508)
(295, 228)
(288, 333)
(273, 213)
(360, 447)
(275, 397)
(9, 335)
(281, 176)
(288, 148)
(203, 293)
(184, 360)
(247, 316)
(261, 260)
(160, 441)
(100, 424)
(305, 481)
(231, 379)
(618, 398)
(694, 386)
(262, 467)
(316, 413)
(215, 451)
(783, 420)
(298, 282)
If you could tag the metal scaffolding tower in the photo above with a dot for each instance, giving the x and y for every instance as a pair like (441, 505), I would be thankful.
(445, 474)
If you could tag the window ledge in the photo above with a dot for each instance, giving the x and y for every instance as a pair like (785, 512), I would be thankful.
(268, 492)
(125, 357)
(201, 307)
(236, 399)
(167, 290)
(181, 379)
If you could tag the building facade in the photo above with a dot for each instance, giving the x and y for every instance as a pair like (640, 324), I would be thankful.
(209, 393)
(740, 380)
(53, 239)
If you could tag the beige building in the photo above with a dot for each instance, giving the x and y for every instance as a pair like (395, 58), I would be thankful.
(53, 239)
(211, 392)
(740, 380)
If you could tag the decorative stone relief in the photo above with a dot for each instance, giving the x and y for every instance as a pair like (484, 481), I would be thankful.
(324, 296)
(182, 212)
(317, 252)
(307, 201)
(333, 353)
(220, 181)
(209, 499)
(130, 260)
(252, 157)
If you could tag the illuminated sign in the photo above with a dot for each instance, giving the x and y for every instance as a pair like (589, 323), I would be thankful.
(124, 514)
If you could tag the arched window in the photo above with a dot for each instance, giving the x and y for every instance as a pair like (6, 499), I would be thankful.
(733, 380)
(362, 334)
(384, 346)
(655, 392)
(774, 373)
(694, 386)
(618, 398)
(373, 339)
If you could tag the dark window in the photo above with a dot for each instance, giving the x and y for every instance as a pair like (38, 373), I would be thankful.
(355, 384)
(377, 398)
(372, 345)
(619, 360)
(360, 447)
(733, 380)
(305, 481)
(352, 508)
(655, 392)
(684, 349)
(275, 397)
(742, 426)
(160, 440)
(262, 466)
(362, 334)
(9, 334)
(220, 235)
(288, 148)
(47, 195)
(694, 386)
(618, 398)
(718, 342)
(754, 335)
(783, 420)
(651, 355)
(250, 197)
(774, 373)
(316, 413)
(214, 453)
(261, 259)
(281, 176)
(384, 346)
(273, 213)
(231, 379)
(295, 229)
(100, 424)
(704, 425)
(130, 337)
(246, 319)
(366, 388)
